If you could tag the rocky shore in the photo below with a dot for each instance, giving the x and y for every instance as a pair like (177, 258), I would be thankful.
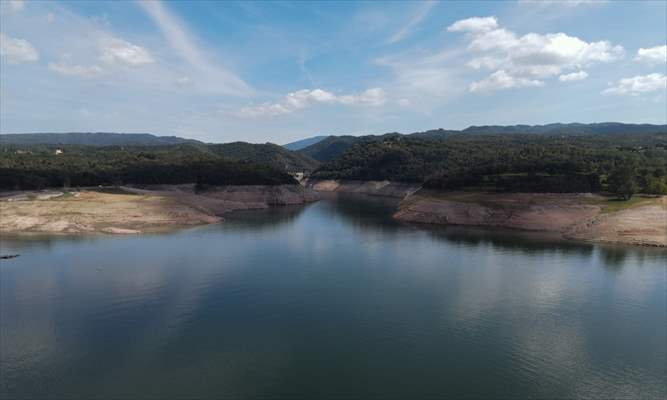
(134, 210)
(583, 217)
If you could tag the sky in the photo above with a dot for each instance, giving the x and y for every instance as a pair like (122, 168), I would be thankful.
(282, 71)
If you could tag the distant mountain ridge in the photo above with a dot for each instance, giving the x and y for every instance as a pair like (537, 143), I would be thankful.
(332, 146)
(267, 154)
(300, 144)
(92, 139)
(567, 129)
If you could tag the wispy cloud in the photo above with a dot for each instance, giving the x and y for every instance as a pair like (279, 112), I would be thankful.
(303, 98)
(423, 80)
(639, 84)
(118, 51)
(574, 76)
(16, 50)
(81, 71)
(215, 76)
(502, 80)
(422, 12)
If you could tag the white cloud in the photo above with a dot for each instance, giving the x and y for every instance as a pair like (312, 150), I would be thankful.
(422, 12)
(372, 97)
(574, 76)
(652, 55)
(17, 51)
(118, 51)
(81, 71)
(526, 59)
(263, 110)
(215, 76)
(639, 84)
(303, 98)
(502, 80)
(475, 24)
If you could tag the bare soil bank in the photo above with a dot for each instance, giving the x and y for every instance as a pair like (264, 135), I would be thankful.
(375, 188)
(132, 210)
(574, 216)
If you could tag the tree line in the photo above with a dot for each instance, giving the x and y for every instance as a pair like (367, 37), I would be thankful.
(36, 167)
(622, 164)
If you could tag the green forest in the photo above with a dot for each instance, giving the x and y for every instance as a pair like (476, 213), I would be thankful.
(36, 167)
(614, 162)
(622, 164)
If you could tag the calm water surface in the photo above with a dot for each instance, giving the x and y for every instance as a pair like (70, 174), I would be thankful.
(331, 300)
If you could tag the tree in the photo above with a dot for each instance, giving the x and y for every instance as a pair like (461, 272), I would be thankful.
(656, 186)
(622, 181)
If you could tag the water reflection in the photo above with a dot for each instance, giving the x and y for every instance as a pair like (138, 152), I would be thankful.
(333, 298)
(527, 242)
(11, 243)
(271, 218)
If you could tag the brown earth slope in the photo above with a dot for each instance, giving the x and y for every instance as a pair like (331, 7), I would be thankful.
(136, 210)
(575, 216)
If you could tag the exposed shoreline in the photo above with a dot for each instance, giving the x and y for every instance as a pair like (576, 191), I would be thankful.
(580, 217)
(573, 216)
(160, 208)
(136, 210)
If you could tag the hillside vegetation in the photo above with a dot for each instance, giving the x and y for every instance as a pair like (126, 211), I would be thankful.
(333, 146)
(37, 167)
(622, 163)
(268, 153)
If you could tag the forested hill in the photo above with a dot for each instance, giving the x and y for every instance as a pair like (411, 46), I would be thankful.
(333, 146)
(92, 139)
(268, 153)
(47, 165)
(511, 162)
(40, 166)
(329, 148)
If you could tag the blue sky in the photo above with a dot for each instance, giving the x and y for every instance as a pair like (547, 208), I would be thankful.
(281, 71)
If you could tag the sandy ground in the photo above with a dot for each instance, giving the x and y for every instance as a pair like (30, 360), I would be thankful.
(642, 225)
(135, 210)
(574, 216)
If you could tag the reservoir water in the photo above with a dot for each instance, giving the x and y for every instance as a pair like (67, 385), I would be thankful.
(331, 300)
